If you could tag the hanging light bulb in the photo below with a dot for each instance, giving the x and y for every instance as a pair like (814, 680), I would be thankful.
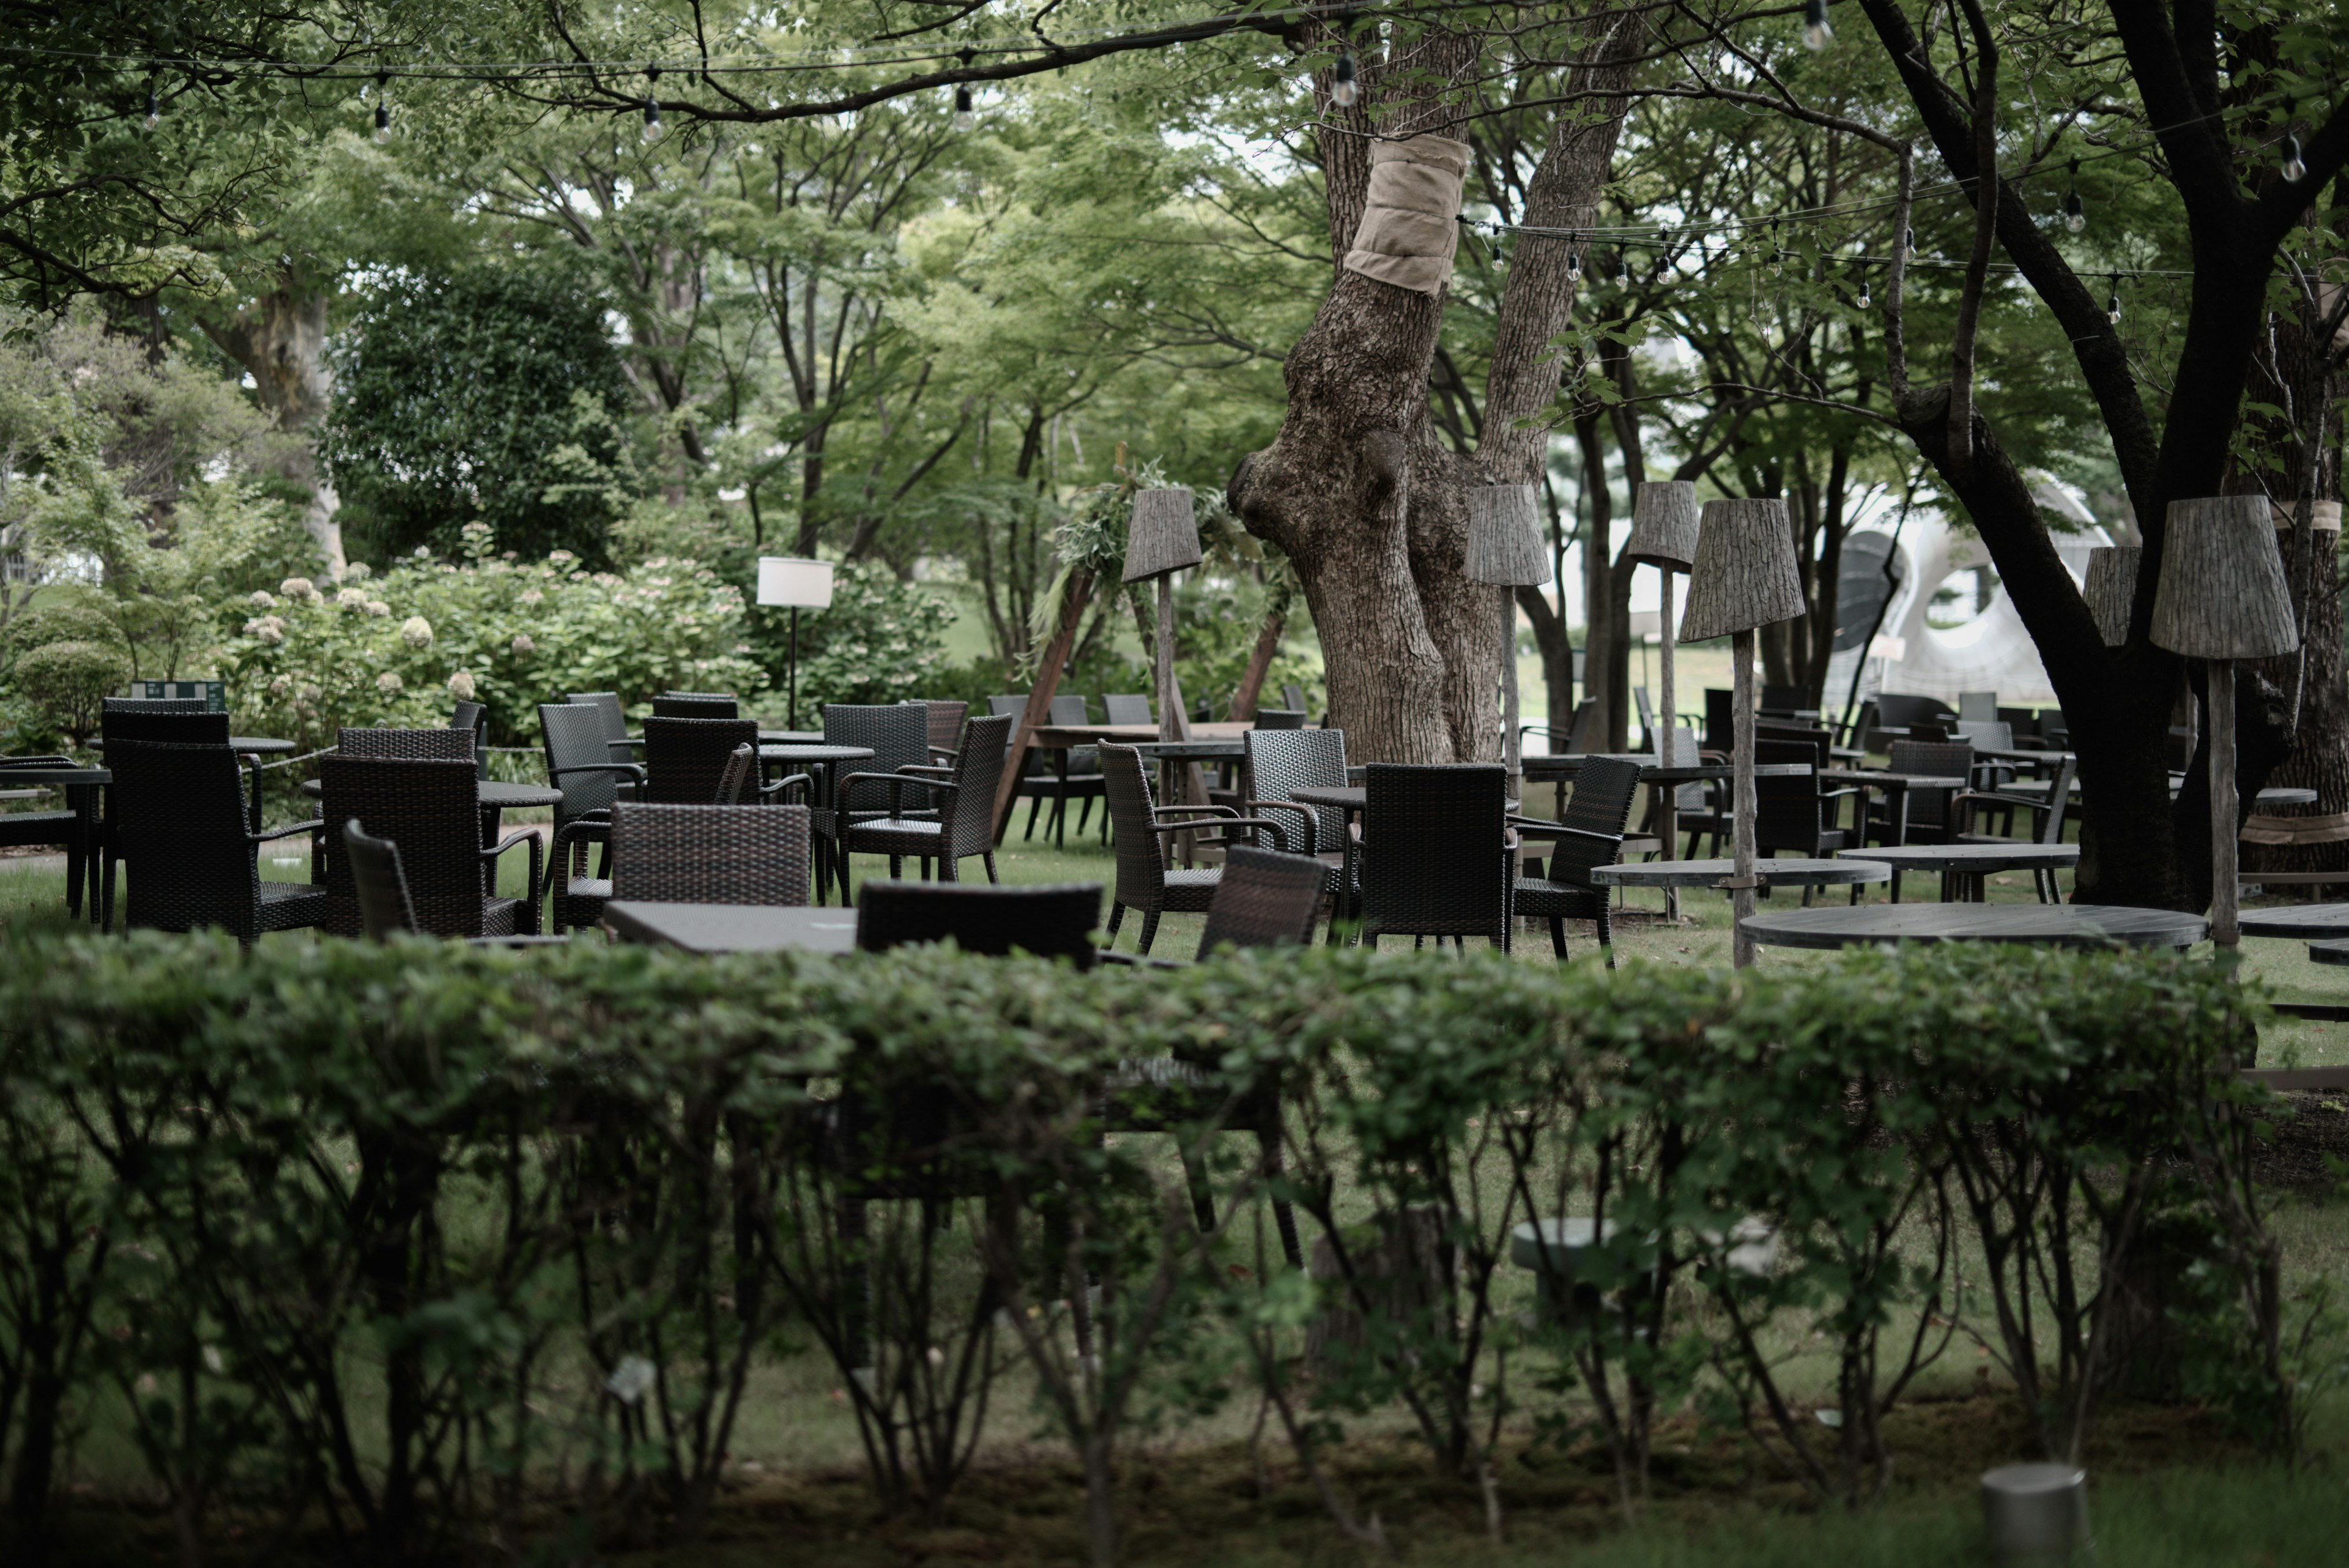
(2294, 170)
(1623, 268)
(154, 109)
(963, 117)
(1344, 85)
(1816, 34)
(382, 110)
(2075, 219)
(1574, 266)
(1864, 300)
(1778, 256)
(652, 105)
(2113, 302)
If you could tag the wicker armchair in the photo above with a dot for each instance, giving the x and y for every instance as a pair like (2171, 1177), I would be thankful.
(898, 735)
(579, 763)
(740, 780)
(684, 759)
(180, 721)
(1264, 900)
(1277, 763)
(1588, 833)
(1797, 812)
(152, 705)
(1074, 775)
(2047, 820)
(945, 719)
(474, 717)
(1436, 857)
(615, 720)
(431, 808)
(1052, 920)
(1920, 816)
(963, 825)
(696, 705)
(1146, 884)
(411, 745)
(190, 858)
(709, 854)
(1127, 708)
(384, 908)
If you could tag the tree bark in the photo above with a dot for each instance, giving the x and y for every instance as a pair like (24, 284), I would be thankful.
(280, 339)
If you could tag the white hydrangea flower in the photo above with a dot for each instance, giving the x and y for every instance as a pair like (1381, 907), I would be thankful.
(416, 631)
(308, 694)
(523, 644)
(268, 628)
(461, 685)
(388, 682)
(358, 572)
(561, 557)
(263, 599)
(351, 598)
(282, 685)
(531, 596)
(297, 588)
(377, 607)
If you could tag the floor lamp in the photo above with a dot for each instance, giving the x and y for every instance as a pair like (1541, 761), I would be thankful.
(1743, 577)
(2222, 598)
(1505, 549)
(787, 583)
(1663, 535)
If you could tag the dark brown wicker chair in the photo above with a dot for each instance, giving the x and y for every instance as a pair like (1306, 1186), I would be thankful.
(430, 807)
(615, 721)
(684, 759)
(1436, 857)
(1588, 833)
(696, 705)
(474, 717)
(1920, 816)
(580, 762)
(413, 745)
(709, 854)
(739, 786)
(188, 850)
(965, 823)
(152, 705)
(2047, 821)
(1074, 774)
(1054, 919)
(179, 720)
(1127, 708)
(384, 908)
(945, 719)
(1146, 884)
(1264, 900)
(898, 735)
(1280, 718)
(1797, 813)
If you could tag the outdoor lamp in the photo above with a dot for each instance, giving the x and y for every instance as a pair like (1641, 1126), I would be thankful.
(1664, 536)
(1743, 577)
(1162, 539)
(2111, 588)
(1504, 548)
(799, 585)
(2222, 598)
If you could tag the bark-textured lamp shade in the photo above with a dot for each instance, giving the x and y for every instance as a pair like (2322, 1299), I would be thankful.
(1504, 546)
(1664, 526)
(1744, 575)
(1164, 535)
(2222, 592)
(2111, 588)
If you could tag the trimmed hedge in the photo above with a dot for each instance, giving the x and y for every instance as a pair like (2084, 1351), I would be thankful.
(418, 1245)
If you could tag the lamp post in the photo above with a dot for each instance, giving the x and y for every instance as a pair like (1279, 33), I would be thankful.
(784, 581)
(1505, 549)
(2222, 598)
(1162, 539)
(1663, 535)
(1743, 577)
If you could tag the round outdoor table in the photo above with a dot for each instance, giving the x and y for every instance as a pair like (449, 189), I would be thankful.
(2285, 795)
(1787, 873)
(81, 786)
(2317, 922)
(243, 745)
(1963, 865)
(2329, 952)
(495, 793)
(790, 737)
(2041, 925)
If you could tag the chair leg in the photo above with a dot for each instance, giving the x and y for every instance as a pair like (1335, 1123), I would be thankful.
(1896, 884)
(1202, 1198)
(1149, 931)
(1607, 934)
(949, 869)
(1558, 938)
(1035, 805)
(1117, 914)
(1060, 821)
(1284, 1215)
(989, 857)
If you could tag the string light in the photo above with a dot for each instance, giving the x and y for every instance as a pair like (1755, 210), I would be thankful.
(1816, 34)
(2074, 218)
(382, 109)
(652, 105)
(2113, 302)
(1623, 268)
(963, 117)
(2294, 170)
(154, 109)
(1573, 266)
(1344, 87)
(1863, 299)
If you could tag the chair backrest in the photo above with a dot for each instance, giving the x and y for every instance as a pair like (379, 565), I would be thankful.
(578, 735)
(1687, 796)
(1864, 721)
(1989, 736)
(609, 714)
(1978, 707)
(1263, 901)
(1603, 792)
(696, 705)
(1292, 695)
(1582, 730)
(1277, 763)
(684, 759)
(153, 705)
(709, 854)
(741, 768)
(1127, 708)
(1068, 707)
(1280, 718)
(187, 725)
(2021, 720)
(970, 810)
(1646, 715)
(430, 807)
(899, 736)
(1051, 919)
(946, 724)
(1431, 856)
(1785, 699)
(2059, 801)
(380, 885)
(1932, 759)
(1719, 720)
(1141, 857)
(1816, 736)
(1897, 709)
(176, 814)
(1014, 705)
(415, 745)
(474, 717)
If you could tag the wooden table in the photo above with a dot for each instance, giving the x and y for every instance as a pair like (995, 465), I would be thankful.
(1963, 865)
(2042, 925)
(733, 928)
(81, 786)
(1789, 873)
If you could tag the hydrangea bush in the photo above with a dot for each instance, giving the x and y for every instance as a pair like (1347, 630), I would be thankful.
(882, 640)
(401, 646)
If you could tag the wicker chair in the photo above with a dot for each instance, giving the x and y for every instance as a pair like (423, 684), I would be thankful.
(1280, 718)
(2047, 818)
(1054, 919)
(409, 746)
(179, 720)
(1127, 708)
(65, 829)
(1293, 696)
(899, 737)
(1082, 780)
(474, 717)
(946, 726)
(709, 854)
(1922, 815)
(1277, 763)
(1796, 813)
(1146, 884)
(696, 705)
(684, 759)
(1588, 833)
(384, 908)
(1263, 901)
(615, 721)
(190, 858)
(963, 827)
(152, 705)
(741, 779)
(579, 763)
(431, 808)
(1436, 857)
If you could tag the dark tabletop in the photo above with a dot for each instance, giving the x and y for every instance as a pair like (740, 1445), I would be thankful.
(255, 746)
(2316, 921)
(1651, 771)
(1207, 750)
(493, 792)
(1883, 778)
(2328, 952)
(790, 737)
(56, 776)
(2055, 925)
(1970, 857)
(815, 754)
(734, 927)
(1787, 873)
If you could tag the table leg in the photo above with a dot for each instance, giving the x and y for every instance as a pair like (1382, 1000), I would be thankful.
(1667, 828)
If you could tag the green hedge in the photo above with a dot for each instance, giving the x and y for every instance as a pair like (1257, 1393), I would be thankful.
(419, 1245)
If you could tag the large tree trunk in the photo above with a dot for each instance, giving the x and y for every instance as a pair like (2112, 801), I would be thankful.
(281, 341)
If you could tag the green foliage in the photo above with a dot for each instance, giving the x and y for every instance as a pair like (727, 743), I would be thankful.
(68, 682)
(489, 395)
(399, 646)
(66, 618)
(880, 640)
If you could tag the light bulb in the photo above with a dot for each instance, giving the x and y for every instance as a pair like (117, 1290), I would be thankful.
(2112, 304)
(382, 121)
(652, 120)
(1343, 86)
(1573, 268)
(1864, 300)
(1623, 268)
(154, 111)
(2075, 219)
(963, 117)
(2294, 170)
(1816, 34)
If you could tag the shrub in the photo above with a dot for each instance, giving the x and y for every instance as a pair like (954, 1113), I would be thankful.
(880, 640)
(68, 682)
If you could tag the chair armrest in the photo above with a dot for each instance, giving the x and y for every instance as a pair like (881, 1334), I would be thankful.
(309, 824)
(1196, 810)
(634, 770)
(518, 941)
(896, 783)
(537, 849)
(1138, 960)
(1223, 825)
(924, 768)
(806, 781)
(1535, 827)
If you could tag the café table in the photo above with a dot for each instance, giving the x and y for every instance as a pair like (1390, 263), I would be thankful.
(81, 786)
(1963, 865)
(733, 928)
(825, 765)
(1895, 788)
(1217, 741)
(2041, 925)
(2315, 922)
(1791, 872)
(1664, 790)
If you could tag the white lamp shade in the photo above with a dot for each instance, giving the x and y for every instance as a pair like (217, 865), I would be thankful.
(791, 584)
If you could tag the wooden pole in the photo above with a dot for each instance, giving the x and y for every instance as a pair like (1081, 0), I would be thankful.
(1170, 706)
(2224, 929)
(1510, 754)
(1668, 797)
(1741, 884)
(1038, 710)
(1259, 664)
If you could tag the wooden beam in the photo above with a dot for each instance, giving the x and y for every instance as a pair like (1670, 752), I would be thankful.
(1038, 710)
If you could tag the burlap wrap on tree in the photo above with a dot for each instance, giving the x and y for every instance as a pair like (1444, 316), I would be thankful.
(2324, 516)
(1409, 230)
